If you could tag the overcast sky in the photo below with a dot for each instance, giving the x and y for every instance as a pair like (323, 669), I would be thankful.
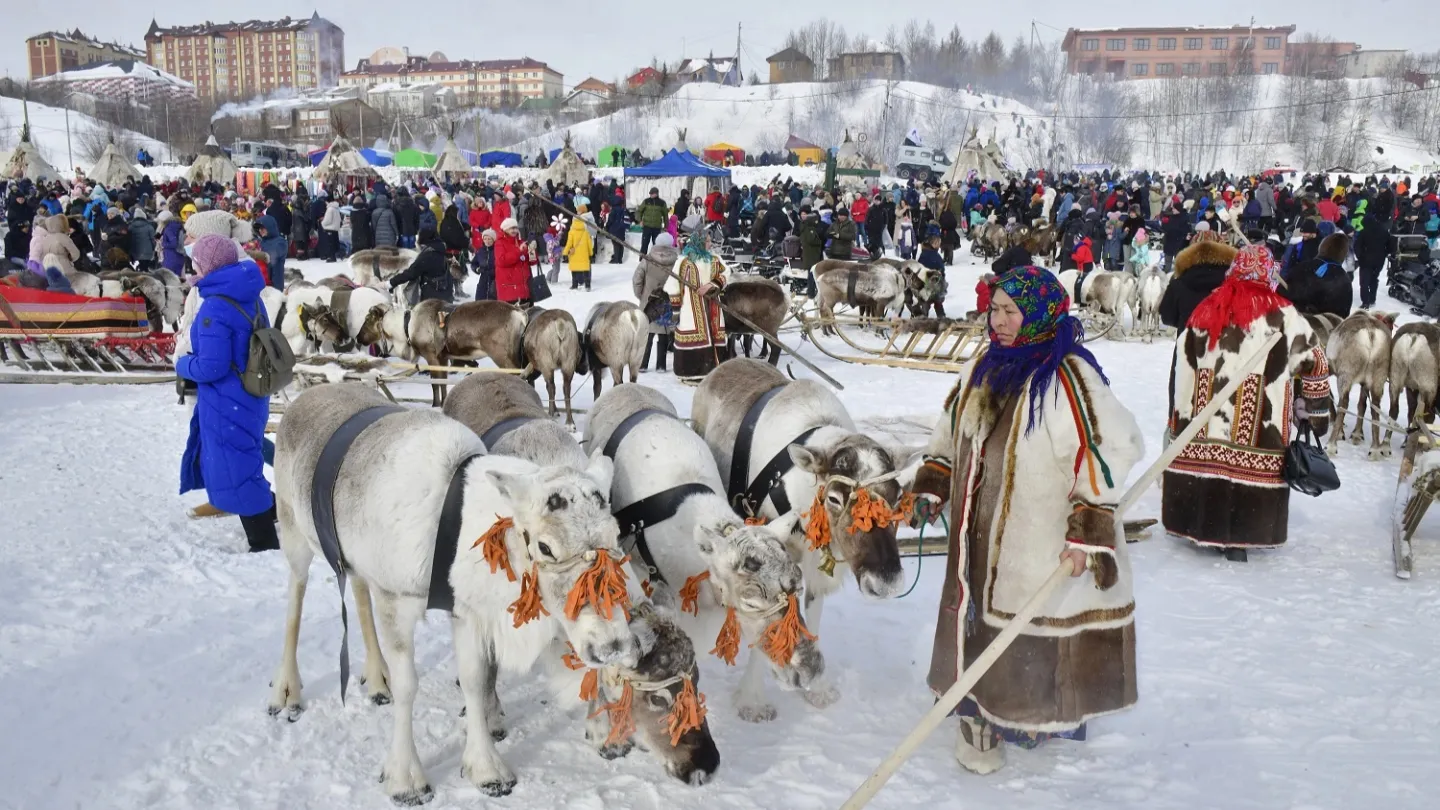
(610, 39)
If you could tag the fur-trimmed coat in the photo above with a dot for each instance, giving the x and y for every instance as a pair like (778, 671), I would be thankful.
(1227, 489)
(1198, 270)
(1058, 486)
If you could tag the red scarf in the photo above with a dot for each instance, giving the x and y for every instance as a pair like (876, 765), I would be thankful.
(1236, 302)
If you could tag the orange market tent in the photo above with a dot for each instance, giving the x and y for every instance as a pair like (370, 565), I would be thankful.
(715, 153)
(804, 151)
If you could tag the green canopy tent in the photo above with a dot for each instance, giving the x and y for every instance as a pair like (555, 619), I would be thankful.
(609, 156)
(414, 159)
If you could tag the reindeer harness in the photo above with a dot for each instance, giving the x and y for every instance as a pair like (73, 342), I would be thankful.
(746, 496)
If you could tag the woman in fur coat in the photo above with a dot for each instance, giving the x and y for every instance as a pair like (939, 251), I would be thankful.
(649, 283)
(1031, 456)
(1227, 490)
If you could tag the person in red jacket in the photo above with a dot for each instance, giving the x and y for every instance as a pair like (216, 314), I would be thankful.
(479, 222)
(512, 265)
(982, 294)
(1328, 210)
(715, 207)
(500, 209)
(858, 210)
(1083, 255)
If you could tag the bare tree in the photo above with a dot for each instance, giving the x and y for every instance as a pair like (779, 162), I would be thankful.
(820, 40)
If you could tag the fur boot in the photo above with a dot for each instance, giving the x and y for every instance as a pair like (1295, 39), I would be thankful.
(978, 748)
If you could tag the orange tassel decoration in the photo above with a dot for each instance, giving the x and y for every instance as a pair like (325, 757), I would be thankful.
(758, 520)
(869, 512)
(494, 542)
(571, 660)
(647, 588)
(602, 585)
(688, 713)
(622, 718)
(727, 644)
(528, 606)
(781, 637)
(690, 593)
(590, 685)
(817, 522)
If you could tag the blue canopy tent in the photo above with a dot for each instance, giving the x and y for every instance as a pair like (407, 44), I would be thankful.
(670, 173)
(372, 156)
(495, 157)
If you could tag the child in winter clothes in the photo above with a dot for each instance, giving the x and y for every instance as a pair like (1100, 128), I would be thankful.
(1083, 255)
(578, 247)
(1114, 243)
(935, 286)
(982, 297)
(1139, 253)
(345, 237)
(905, 237)
(552, 252)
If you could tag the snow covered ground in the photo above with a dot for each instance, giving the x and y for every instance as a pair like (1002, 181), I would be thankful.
(135, 649)
(48, 133)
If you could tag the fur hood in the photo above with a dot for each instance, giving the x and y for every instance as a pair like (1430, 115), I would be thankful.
(1334, 248)
(1200, 253)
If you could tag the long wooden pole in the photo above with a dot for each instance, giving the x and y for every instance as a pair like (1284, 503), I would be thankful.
(732, 313)
(977, 670)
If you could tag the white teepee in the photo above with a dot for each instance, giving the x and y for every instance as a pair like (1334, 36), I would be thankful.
(568, 170)
(343, 162)
(26, 161)
(848, 156)
(986, 162)
(113, 169)
(451, 165)
(211, 164)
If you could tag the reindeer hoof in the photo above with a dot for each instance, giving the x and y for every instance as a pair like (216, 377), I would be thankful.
(1375, 454)
(760, 713)
(417, 797)
(616, 751)
(821, 697)
(290, 712)
(498, 734)
(1385, 451)
(498, 788)
(380, 699)
(1357, 439)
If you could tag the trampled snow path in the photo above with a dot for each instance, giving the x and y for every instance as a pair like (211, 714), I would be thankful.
(135, 648)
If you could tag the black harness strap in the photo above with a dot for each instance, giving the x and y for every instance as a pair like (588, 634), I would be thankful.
(407, 326)
(657, 508)
(447, 541)
(740, 461)
(322, 508)
(501, 429)
(851, 278)
(628, 425)
(768, 481)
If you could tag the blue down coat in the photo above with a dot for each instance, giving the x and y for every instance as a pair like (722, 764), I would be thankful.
(223, 455)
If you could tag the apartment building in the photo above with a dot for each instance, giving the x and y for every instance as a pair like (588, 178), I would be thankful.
(54, 51)
(493, 82)
(1159, 53)
(127, 80)
(238, 60)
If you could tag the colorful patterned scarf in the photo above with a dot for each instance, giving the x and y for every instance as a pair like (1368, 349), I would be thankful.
(1047, 335)
(697, 245)
(1246, 295)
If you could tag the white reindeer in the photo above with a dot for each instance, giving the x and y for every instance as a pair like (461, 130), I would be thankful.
(1151, 291)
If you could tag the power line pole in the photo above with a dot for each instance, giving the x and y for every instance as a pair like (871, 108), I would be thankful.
(739, 77)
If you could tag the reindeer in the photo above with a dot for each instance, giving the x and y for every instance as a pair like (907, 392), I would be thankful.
(1151, 291)
(553, 344)
(764, 303)
(615, 333)
(375, 266)
(700, 550)
(339, 320)
(876, 290)
(164, 298)
(1107, 292)
(829, 464)
(1323, 324)
(489, 400)
(389, 495)
(1359, 354)
(1415, 370)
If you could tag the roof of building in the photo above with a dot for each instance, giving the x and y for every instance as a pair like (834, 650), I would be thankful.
(721, 65)
(1072, 33)
(419, 64)
(790, 55)
(80, 37)
(208, 28)
(541, 104)
(116, 69)
(593, 83)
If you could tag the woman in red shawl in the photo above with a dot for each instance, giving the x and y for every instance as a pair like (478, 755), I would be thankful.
(1226, 490)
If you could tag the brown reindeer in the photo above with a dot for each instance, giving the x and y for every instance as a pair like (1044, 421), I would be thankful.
(1359, 353)
(437, 333)
(552, 343)
(615, 333)
(761, 301)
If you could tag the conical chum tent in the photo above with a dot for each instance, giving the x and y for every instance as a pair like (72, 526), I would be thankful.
(26, 162)
(212, 164)
(113, 169)
(981, 162)
(805, 153)
(567, 169)
(451, 165)
(343, 162)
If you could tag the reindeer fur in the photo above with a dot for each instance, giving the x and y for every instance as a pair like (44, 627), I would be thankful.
(615, 335)
(552, 345)
(486, 398)
(1359, 354)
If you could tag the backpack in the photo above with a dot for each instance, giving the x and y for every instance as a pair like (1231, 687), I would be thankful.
(270, 365)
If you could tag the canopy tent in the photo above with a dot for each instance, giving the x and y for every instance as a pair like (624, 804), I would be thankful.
(451, 165)
(566, 169)
(26, 161)
(675, 171)
(609, 156)
(212, 164)
(113, 169)
(412, 159)
(715, 152)
(344, 162)
(495, 157)
(984, 163)
(372, 157)
(804, 151)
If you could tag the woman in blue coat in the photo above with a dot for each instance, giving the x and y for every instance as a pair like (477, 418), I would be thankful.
(224, 454)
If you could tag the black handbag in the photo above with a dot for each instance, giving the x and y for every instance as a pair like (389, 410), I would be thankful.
(1307, 468)
(539, 288)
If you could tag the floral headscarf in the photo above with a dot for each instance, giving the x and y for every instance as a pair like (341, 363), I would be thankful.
(1246, 295)
(1047, 335)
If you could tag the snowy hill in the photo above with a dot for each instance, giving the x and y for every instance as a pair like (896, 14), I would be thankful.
(47, 132)
(1190, 124)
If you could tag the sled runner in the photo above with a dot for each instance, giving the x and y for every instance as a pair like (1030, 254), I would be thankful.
(1418, 487)
(58, 337)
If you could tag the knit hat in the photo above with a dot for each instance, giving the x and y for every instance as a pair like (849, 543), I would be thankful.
(223, 223)
(1202, 226)
(665, 240)
(509, 224)
(212, 251)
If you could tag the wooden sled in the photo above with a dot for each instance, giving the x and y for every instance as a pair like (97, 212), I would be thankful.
(48, 337)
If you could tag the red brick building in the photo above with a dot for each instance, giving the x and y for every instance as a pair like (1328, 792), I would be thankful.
(54, 51)
(1159, 53)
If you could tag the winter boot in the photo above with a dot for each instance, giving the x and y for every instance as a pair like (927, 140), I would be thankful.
(260, 531)
(649, 344)
(663, 349)
(1237, 555)
(205, 510)
(977, 747)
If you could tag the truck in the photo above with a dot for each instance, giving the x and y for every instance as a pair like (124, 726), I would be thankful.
(921, 162)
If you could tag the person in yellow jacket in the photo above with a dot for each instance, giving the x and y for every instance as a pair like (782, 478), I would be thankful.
(437, 207)
(185, 211)
(578, 248)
